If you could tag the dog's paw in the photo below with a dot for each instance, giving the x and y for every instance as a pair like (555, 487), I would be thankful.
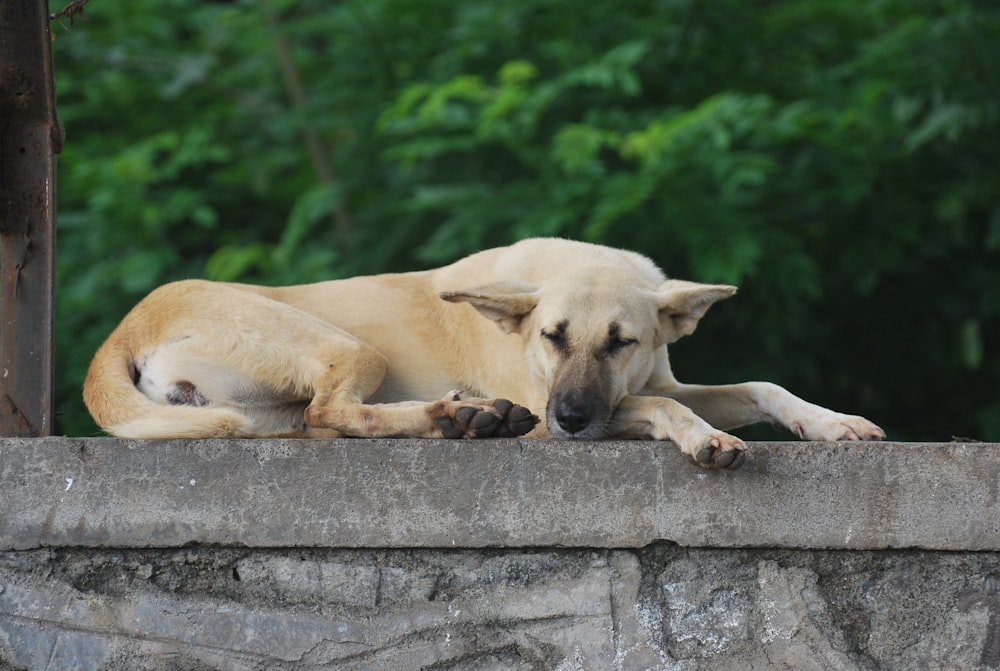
(460, 417)
(836, 426)
(517, 420)
(721, 451)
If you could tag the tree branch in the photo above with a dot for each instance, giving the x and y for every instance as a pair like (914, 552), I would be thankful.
(319, 152)
(73, 9)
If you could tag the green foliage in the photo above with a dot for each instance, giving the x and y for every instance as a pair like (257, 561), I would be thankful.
(835, 159)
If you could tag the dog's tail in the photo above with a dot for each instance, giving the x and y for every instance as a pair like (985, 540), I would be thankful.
(114, 400)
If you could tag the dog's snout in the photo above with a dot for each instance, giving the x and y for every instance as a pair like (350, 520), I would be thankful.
(578, 405)
(572, 417)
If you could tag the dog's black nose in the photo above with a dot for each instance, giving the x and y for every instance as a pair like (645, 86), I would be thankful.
(572, 418)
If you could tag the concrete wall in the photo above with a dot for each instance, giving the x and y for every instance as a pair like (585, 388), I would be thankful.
(490, 555)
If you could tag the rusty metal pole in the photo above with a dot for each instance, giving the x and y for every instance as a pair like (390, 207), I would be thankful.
(30, 137)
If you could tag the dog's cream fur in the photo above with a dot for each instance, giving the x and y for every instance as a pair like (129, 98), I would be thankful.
(575, 332)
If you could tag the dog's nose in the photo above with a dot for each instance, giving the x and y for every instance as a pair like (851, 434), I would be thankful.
(572, 418)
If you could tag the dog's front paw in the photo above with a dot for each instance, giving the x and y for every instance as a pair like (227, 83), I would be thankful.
(721, 451)
(836, 426)
(458, 417)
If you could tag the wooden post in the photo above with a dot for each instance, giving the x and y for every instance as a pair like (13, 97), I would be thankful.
(30, 137)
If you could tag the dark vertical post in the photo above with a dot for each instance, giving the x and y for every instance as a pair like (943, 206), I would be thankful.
(30, 136)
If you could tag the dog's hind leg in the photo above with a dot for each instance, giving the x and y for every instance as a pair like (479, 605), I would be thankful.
(353, 373)
(217, 360)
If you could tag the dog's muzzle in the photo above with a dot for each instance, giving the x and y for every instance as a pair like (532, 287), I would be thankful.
(577, 415)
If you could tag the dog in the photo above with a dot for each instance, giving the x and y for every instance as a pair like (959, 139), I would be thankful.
(577, 333)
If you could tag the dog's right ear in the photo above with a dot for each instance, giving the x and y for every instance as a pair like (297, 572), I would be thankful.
(683, 304)
(505, 303)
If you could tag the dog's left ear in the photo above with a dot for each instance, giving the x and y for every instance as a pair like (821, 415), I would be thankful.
(683, 304)
(506, 303)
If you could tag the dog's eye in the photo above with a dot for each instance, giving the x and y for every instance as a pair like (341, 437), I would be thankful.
(556, 338)
(618, 343)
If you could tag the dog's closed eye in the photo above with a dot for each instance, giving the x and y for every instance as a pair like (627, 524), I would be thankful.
(556, 338)
(616, 343)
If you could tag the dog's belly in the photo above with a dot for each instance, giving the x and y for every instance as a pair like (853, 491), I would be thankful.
(426, 385)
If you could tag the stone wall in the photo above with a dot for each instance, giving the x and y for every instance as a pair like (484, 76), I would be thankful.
(496, 555)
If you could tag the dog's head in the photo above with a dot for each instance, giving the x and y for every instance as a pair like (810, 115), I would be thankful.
(590, 343)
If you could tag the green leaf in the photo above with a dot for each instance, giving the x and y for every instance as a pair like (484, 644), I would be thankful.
(575, 148)
(308, 213)
(232, 262)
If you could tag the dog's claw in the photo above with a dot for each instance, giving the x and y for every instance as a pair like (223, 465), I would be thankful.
(480, 418)
(725, 455)
(863, 430)
(484, 424)
(704, 455)
(725, 459)
(448, 427)
(740, 458)
(470, 422)
(835, 426)
(466, 415)
(520, 421)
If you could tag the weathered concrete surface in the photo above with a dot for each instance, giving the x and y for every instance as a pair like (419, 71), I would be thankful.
(279, 555)
(501, 493)
(660, 608)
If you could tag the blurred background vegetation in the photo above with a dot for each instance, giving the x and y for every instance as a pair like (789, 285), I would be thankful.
(838, 160)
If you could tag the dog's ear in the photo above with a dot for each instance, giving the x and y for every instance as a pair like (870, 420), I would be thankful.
(682, 304)
(506, 303)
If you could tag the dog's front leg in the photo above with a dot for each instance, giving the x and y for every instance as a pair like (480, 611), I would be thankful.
(659, 418)
(734, 405)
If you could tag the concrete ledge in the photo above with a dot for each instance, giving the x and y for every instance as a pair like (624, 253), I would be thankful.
(361, 555)
(103, 492)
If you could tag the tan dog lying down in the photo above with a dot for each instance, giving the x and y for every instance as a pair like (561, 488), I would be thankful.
(576, 332)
